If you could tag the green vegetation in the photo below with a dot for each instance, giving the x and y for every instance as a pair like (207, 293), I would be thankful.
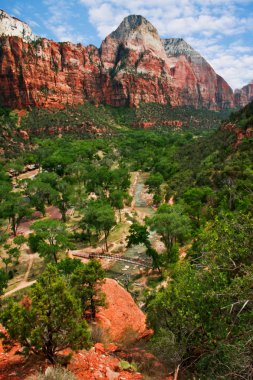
(86, 281)
(200, 304)
(8, 122)
(243, 118)
(191, 118)
(172, 224)
(50, 320)
(52, 238)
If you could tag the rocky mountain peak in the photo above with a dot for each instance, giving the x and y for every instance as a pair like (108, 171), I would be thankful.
(178, 46)
(131, 24)
(137, 34)
(12, 26)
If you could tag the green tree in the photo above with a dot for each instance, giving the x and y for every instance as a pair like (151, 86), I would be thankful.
(40, 194)
(15, 208)
(16, 168)
(87, 281)
(67, 266)
(105, 221)
(195, 198)
(4, 277)
(50, 320)
(53, 238)
(120, 179)
(154, 182)
(139, 235)
(117, 200)
(62, 200)
(227, 244)
(10, 256)
(100, 216)
(172, 224)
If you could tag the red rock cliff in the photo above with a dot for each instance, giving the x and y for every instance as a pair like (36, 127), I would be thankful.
(133, 65)
(244, 96)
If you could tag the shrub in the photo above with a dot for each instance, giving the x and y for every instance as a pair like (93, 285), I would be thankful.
(54, 373)
(33, 242)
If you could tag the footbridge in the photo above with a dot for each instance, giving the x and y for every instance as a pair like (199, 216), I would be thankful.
(106, 256)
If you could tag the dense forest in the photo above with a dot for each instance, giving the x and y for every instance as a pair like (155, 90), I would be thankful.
(199, 297)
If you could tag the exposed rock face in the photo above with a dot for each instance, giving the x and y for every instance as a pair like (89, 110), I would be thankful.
(244, 96)
(134, 58)
(48, 74)
(199, 83)
(132, 66)
(121, 318)
(12, 26)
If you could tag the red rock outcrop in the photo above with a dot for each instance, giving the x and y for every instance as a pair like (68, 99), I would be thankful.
(150, 124)
(244, 95)
(85, 365)
(121, 318)
(132, 66)
(239, 132)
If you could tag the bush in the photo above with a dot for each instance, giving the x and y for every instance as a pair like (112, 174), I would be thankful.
(33, 242)
(128, 366)
(54, 373)
(98, 334)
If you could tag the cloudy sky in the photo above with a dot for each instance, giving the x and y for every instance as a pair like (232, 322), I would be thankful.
(221, 30)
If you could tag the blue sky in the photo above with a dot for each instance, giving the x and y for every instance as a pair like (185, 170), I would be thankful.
(221, 30)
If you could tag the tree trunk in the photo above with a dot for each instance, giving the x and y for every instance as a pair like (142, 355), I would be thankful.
(14, 225)
(63, 214)
(93, 308)
(55, 257)
(106, 243)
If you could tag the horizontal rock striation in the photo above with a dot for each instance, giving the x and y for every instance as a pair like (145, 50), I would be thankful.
(133, 65)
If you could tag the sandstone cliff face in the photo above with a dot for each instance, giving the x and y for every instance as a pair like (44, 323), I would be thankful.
(244, 96)
(11, 26)
(198, 82)
(48, 74)
(133, 65)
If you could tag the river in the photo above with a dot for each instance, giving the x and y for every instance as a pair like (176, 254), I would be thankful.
(124, 272)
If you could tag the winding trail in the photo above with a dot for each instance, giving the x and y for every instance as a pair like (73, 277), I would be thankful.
(24, 283)
(21, 286)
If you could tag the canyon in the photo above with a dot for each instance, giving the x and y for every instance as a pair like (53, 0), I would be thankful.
(132, 66)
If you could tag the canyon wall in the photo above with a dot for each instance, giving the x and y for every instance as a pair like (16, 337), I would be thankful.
(133, 65)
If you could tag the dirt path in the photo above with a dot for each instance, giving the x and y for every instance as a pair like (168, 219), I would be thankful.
(24, 283)
(31, 258)
(30, 174)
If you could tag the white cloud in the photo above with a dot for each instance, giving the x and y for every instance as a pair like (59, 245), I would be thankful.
(16, 11)
(233, 62)
(213, 27)
(238, 72)
(60, 20)
(32, 23)
(183, 16)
